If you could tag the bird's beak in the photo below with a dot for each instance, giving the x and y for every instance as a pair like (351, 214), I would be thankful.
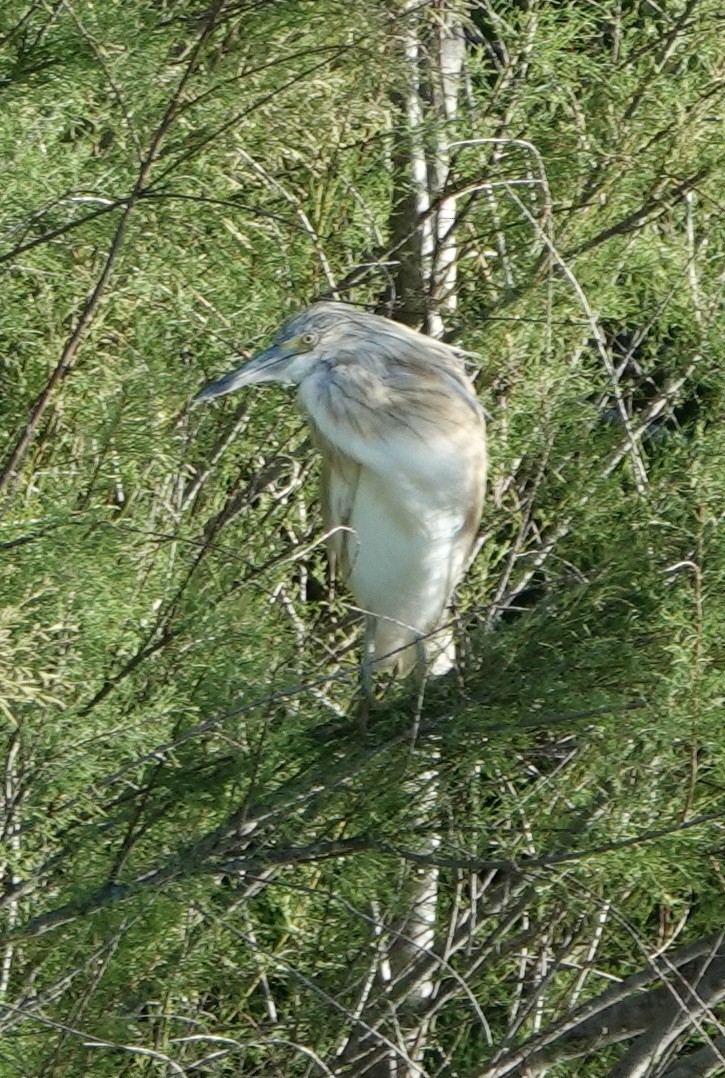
(267, 366)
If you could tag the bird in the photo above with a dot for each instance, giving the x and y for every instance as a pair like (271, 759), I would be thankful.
(402, 438)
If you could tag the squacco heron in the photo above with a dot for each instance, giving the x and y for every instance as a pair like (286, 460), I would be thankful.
(403, 445)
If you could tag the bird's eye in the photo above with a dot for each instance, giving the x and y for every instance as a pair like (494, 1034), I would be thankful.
(307, 338)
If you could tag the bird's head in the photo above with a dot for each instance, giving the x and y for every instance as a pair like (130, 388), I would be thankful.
(335, 339)
(307, 339)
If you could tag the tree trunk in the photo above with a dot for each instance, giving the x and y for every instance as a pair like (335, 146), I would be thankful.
(431, 43)
(430, 40)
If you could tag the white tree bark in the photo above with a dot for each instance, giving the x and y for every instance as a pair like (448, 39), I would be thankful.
(431, 44)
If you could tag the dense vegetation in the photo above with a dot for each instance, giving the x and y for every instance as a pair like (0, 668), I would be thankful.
(205, 867)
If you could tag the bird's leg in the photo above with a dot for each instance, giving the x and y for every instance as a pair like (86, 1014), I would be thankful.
(421, 660)
(421, 678)
(366, 675)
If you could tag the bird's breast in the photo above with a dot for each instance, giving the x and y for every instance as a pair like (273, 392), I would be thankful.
(403, 557)
(403, 472)
(430, 454)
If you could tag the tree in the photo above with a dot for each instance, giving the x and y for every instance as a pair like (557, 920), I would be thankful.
(198, 876)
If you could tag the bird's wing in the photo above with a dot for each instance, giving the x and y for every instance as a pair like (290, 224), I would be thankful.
(338, 487)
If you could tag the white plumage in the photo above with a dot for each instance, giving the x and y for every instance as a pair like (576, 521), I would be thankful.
(402, 439)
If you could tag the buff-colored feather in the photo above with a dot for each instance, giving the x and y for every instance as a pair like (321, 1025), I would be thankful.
(402, 439)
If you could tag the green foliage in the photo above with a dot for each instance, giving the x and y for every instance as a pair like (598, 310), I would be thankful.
(169, 663)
